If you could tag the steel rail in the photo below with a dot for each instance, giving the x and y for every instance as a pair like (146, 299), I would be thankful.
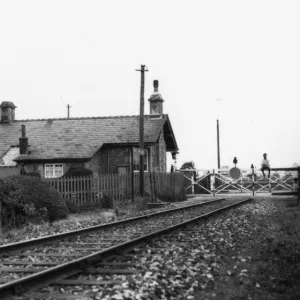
(76, 266)
(50, 238)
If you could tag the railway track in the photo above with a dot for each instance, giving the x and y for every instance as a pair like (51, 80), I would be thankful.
(56, 258)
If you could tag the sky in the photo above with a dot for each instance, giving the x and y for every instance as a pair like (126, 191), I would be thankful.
(85, 54)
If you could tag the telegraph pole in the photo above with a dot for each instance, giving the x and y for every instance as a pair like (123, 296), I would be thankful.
(218, 137)
(68, 106)
(141, 144)
(218, 143)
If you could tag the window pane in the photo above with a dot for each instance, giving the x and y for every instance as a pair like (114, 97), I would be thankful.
(53, 170)
(58, 170)
(136, 161)
(49, 170)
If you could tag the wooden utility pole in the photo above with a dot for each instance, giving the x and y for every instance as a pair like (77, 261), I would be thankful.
(132, 176)
(141, 144)
(68, 106)
(218, 143)
(218, 139)
(0, 215)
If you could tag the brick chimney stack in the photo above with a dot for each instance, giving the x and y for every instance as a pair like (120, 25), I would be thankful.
(156, 101)
(23, 142)
(7, 112)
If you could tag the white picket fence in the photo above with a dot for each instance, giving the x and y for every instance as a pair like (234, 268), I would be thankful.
(80, 190)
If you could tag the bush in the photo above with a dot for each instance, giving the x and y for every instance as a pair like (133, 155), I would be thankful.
(34, 174)
(72, 207)
(28, 199)
(107, 202)
(78, 171)
(104, 201)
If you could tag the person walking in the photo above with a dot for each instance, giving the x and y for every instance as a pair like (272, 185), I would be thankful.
(265, 165)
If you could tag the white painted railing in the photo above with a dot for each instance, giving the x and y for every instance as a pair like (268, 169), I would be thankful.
(251, 180)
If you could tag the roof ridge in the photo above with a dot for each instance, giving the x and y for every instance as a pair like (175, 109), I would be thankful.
(81, 118)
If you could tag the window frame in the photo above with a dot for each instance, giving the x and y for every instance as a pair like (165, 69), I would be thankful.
(54, 171)
(146, 161)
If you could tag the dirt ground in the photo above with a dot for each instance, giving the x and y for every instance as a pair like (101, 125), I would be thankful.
(260, 254)
(251, 252)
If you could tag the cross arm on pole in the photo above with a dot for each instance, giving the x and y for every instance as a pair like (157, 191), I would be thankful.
(143, 69)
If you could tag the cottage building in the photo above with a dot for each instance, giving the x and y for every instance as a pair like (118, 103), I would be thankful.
(101, 144)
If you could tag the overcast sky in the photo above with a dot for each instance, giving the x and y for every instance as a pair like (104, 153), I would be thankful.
(84, 53)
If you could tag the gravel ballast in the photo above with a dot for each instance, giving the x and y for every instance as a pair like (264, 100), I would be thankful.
(258, 248)
(250, 252)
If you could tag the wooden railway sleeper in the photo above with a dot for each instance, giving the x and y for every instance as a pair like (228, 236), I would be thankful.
(62, 272)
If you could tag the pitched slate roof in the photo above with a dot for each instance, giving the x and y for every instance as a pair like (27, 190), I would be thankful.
(8, 159)
(79, 138)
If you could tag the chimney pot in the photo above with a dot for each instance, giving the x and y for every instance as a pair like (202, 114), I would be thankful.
(155, 84)
(7, 112)
(156, 101)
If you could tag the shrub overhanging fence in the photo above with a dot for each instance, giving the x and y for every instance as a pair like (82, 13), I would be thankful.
(90, 189)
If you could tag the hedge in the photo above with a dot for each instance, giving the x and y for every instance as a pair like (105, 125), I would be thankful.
(28, 199)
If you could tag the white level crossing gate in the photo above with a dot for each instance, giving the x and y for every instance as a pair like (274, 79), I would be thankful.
(218, 181)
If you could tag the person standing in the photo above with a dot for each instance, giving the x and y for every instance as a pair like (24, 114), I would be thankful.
(265, 165)
(172, 168)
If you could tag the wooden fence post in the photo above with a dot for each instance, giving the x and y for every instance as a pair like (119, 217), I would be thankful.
(214, 183)
(298, 181)
(253, 180)
(0, 214)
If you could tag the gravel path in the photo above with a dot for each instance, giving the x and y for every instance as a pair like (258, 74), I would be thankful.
(252, 252)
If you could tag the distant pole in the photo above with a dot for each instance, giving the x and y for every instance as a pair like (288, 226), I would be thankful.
(141, 144)
(218, 138)
(218, 143)
(132, 176)
(68, 106)
(253, 180)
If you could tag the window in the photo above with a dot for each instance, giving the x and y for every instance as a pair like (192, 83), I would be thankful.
(136, 162)
(54, 170)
